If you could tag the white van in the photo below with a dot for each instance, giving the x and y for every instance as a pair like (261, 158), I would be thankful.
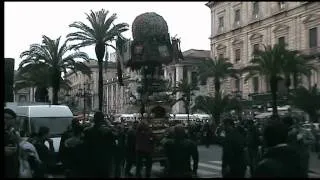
(203, 118)
(56, 117)
(182, 118)
(127, 118)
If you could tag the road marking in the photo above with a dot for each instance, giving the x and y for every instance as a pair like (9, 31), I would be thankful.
(313, 175)
(210, 166)
(216, 162)
(202, 172)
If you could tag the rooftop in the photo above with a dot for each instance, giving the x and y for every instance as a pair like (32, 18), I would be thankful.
(195, 53)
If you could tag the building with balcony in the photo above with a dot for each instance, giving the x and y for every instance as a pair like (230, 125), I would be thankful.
(239, 28)
(117, 98)
(79, 80)
(188, 68)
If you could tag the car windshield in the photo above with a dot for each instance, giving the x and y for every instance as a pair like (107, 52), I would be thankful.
(57, 125)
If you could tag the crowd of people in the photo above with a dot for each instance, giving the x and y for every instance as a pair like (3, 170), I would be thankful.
(275, 149)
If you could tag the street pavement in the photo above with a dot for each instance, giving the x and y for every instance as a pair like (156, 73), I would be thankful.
(210, 164)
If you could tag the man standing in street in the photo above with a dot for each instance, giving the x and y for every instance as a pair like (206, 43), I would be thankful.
(144, 148)
(179, 150)
(130, 150)
(233, 154)
(99, 145)
(253, 145)
(11, 145)
(280, 160)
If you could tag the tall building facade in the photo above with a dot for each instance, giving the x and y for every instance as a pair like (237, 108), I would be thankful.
(117, 98)
(80, 82)
(238, 28)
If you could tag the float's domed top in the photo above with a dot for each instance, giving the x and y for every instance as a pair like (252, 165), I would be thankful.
(147, 25)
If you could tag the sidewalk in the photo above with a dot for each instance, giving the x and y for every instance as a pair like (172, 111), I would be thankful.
(314, 163)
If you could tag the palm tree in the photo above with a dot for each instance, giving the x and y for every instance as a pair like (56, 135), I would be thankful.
(212, 105)
(295, 65)
(268, 63)
(308, 101)
(219, 69)
(57, 60)
(186, 89)
(101, 33)
(36, 76)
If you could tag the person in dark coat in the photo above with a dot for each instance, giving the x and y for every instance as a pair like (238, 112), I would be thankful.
(62, 156)
(295, 140)
(130, 150)
(233, 154)
(179, 150)
(99, 144)
(253, 145)
(74, 151)
(11, 159)
(46, 154)
(280, 160)
(119, 150)
(206, 134)
(144, 148)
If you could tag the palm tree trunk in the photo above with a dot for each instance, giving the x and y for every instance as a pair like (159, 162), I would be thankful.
(217, 87)
(295, 81)
(100, 84)
(56, 86)
(309, 81)
(187, 111)
(100, 51)
(217, 118)
(288, 84)
(274, 89)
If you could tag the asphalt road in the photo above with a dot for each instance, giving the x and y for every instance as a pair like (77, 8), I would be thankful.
(210, 164)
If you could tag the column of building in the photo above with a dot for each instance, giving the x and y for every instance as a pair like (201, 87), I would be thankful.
(179, 77)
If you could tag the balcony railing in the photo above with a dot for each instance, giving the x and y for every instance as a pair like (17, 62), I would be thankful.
(311, 53)
(237, 94)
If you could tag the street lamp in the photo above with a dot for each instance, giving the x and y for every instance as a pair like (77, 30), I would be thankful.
(84, 93)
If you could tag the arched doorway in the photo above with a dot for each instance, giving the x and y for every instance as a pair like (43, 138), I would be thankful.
(159, 112)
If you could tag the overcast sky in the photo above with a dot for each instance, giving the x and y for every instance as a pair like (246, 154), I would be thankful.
(26, 22)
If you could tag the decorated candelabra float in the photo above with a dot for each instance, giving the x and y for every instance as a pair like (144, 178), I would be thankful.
(151, 49)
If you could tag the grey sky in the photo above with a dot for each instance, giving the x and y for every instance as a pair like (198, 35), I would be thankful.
(26, 22)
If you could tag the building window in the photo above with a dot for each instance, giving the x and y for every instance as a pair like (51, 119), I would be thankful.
(185, 73)
(174, 77)
(194, 79)
(237, 84)
(281, 40)
(281, 5)
(237, 17)
(255, 11)
(255, 48)
(255, 83)
(313, 38)
(203, 82)
(220, 56)
(238, 55)
(161, 73)
(221, 24)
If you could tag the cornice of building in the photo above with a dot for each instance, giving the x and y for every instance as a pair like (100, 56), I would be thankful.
(211, 4)
(263, 22)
